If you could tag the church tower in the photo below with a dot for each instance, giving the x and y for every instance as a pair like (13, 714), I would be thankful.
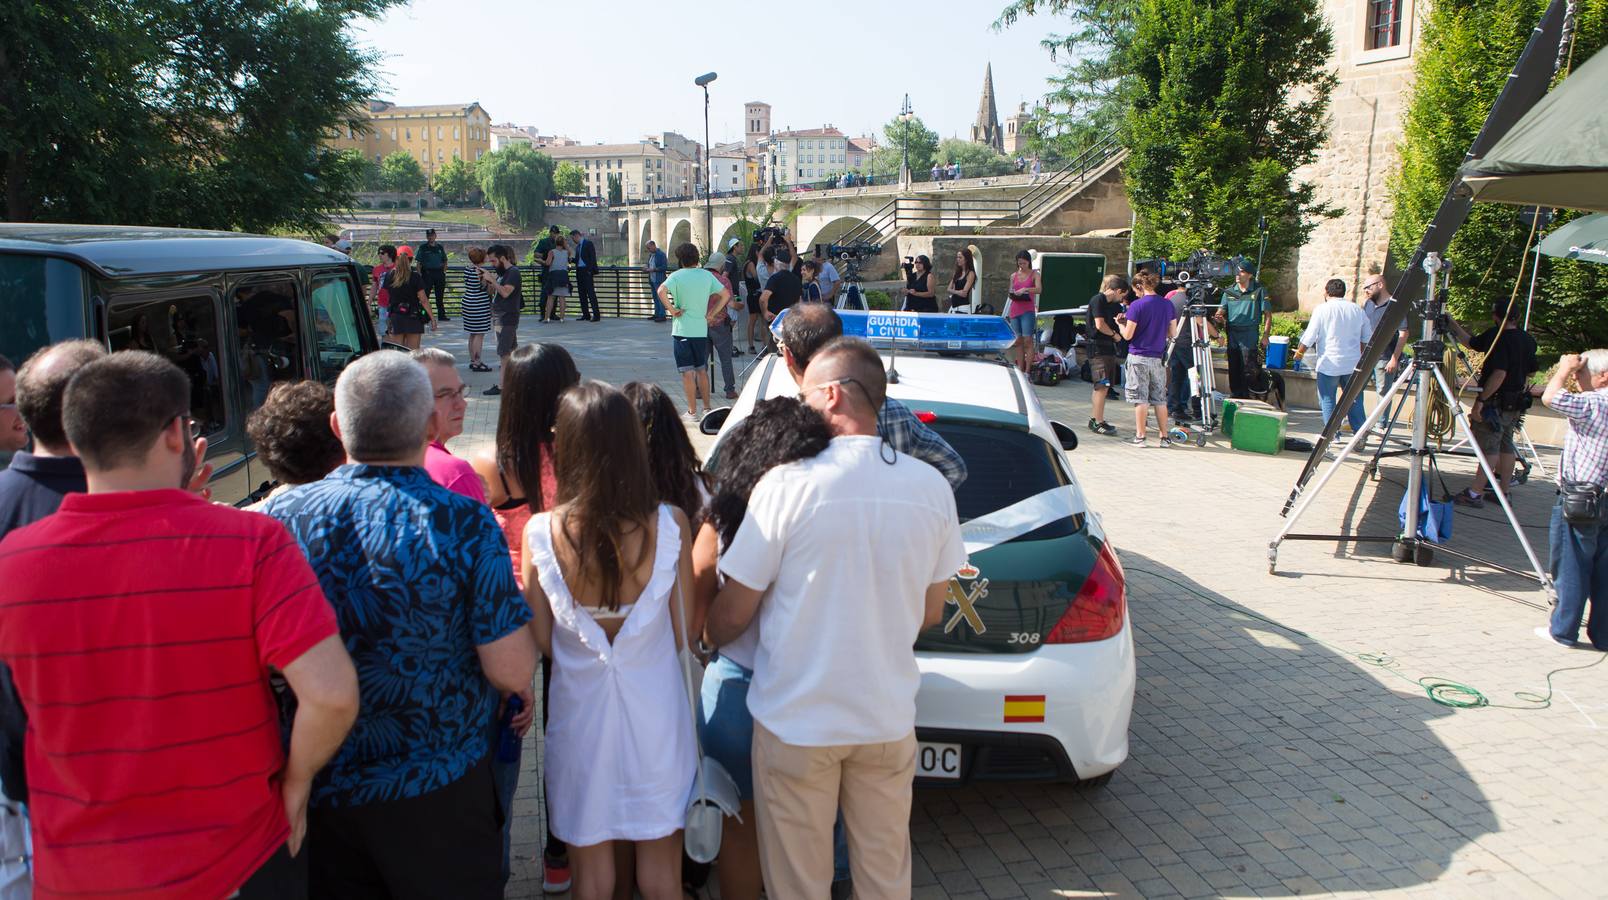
(1016, 131)
(987, 130)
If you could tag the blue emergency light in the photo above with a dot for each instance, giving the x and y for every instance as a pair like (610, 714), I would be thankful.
(922, 331)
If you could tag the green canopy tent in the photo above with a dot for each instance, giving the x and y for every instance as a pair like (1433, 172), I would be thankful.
(1557, 154)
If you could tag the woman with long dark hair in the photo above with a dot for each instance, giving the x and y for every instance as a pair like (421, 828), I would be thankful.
(1022, 312)
(410, 308)
(603, 575)
(778, 431)
(518, 473)
(919, 295)
(678, 474)
(964, 279)
(754, 285)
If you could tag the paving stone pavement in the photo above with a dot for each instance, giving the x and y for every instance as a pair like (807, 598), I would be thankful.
(1268, 756)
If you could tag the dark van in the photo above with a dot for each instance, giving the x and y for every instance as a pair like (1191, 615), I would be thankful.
(236, 312)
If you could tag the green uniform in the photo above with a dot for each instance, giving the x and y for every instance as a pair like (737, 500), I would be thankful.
(1244, 311)
(431, 256)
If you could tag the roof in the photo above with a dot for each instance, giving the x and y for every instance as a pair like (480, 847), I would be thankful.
(811, 132)
(641, 148)
(450, 109)
(855, 144)
(130, 250)
(757, 103)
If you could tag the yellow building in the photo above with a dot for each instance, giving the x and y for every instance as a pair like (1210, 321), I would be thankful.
(433, 134)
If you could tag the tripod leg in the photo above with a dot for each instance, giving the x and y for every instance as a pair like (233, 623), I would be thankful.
(1499, 489)
(1384, 437)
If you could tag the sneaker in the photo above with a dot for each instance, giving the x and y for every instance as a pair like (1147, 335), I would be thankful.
(1545, 633)
(1106, 428)
(736, 352)
(492, 391)
(1094, 425)
(1137, 440)
(1166, 442)
(843, 890)
(1469, 499)
(555, 875)
(731, 395)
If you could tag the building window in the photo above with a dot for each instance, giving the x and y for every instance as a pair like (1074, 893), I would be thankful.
(1384, 24)
(349, 132)
(454, 152)
(407, 133)
(438, 133)
(456, 134)
(393, 134)
(440, 155)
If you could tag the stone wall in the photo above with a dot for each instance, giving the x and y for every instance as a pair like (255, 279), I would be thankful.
(1353, 170)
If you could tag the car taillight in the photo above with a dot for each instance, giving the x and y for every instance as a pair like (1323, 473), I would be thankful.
(926, 418)
(1096, 613)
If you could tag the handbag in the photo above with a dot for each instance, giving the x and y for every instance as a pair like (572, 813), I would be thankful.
(1581, 502)
(1434, 516)
(715, 793)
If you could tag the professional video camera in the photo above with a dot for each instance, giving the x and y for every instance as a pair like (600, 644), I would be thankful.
(1202, 265)
(854, 250)
(770, 232)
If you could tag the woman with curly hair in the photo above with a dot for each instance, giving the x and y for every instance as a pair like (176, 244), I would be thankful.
(292, 435)
(780, 430)
(678, 474)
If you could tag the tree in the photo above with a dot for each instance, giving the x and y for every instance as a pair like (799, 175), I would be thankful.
(399, 171)
(886, 159)
(1468, 49)
(1086, 100)
(455, 179)
(1229, 97)
(166, 112)
(972, 157)
(569, 179)
(517, 180)
(616, 191)
(368, 170)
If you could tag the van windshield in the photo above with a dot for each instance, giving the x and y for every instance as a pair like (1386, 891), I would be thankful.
(41, 302)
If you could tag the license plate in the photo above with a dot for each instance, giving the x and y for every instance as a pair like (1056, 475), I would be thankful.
(937, 760)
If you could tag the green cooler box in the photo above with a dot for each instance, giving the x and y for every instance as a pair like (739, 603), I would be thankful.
(1232, 406)
(1259, 430)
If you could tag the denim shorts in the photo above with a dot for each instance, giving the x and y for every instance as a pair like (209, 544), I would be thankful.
(692, 353)
(1023, 325)
(727, 730)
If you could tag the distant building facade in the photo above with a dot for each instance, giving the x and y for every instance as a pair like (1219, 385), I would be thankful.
(645, 169)
(432, 134)
(507, 135)
(756, 123)
(859, 151)
(1017, 129)
(809, 155)
(728, 168)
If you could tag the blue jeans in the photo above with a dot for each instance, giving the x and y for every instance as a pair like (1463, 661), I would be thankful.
(653, 284)
(505, 775)
(1328, 385)
(1579, 567)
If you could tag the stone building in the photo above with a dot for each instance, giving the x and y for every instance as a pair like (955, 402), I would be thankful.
(1016, 130)
(756, 123)
(645, 169)
(1374, 44)
(433, 134)
(986, 129)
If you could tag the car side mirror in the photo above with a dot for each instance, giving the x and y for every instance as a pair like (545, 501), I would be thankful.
(1064, 434)
(713, 419)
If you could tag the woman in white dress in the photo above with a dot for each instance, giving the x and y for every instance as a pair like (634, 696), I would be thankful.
(600, 573)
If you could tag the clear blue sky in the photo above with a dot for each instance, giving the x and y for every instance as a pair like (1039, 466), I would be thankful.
(613, 70)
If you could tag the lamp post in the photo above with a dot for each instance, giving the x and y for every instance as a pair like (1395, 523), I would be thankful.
(709, 209)
(904, 115)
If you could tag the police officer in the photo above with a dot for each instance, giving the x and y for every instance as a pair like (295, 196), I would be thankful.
(1249, 319)
(432, 259)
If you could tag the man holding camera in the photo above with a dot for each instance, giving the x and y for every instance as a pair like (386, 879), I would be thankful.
(1579, 533)
(1248, 317)
(1504, 395)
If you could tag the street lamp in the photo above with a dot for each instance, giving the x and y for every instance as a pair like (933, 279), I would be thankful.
(905, 115)
(709, 209)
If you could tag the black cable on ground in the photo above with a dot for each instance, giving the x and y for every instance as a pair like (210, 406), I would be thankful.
(1442, 691)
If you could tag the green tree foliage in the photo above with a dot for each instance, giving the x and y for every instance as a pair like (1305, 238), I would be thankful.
(568, 178)
(616, 191)
(885, 160)
(1085, 101)
(368, 170)
(455, 179)
(195, 113)
(399, 171)
(1468, 48)
(517, 180)
(1228, 97)
(972, 157)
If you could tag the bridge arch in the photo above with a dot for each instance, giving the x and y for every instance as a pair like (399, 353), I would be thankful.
(680, 234)
(647, 233)
(830, 232)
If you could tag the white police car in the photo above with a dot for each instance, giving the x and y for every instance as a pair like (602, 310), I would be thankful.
(1030, 677)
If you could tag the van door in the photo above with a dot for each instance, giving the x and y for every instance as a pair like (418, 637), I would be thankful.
(337, 319)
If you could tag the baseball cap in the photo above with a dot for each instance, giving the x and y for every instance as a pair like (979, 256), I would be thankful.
(717, 260)
(404, 250)
(1246, 265)
(732, 243)
(343, 244)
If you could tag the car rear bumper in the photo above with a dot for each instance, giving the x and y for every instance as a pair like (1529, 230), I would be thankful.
(1087, 692)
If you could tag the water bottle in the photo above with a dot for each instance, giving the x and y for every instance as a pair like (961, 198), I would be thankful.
(508, 739)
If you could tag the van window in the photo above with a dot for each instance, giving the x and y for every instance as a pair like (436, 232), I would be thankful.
(269, 337)
(185, 330)
(43, 302)
(335, 325)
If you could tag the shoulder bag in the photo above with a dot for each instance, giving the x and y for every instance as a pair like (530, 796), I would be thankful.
(714, 794)
(1581, 502)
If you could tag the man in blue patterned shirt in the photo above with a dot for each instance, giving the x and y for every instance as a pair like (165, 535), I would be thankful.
(421, 586)
(811, 326)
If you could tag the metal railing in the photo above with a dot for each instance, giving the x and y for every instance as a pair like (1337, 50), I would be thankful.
(622, 291)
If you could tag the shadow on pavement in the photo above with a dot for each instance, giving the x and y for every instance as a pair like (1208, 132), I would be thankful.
(1260, 762)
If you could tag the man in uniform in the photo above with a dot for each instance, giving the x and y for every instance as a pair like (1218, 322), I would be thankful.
(1249, 319)
(432, 259)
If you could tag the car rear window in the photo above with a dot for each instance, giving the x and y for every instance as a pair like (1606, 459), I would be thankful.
(43, 302)
(1005, 466)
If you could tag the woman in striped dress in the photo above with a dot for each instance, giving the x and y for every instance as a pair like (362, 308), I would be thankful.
(476, 309)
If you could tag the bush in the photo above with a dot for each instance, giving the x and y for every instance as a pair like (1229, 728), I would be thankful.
(1290, 324)
(878, 299)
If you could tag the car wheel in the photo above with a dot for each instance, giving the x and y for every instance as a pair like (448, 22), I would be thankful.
(1098, 781)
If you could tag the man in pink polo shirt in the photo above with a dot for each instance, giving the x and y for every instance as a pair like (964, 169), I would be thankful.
(451, 402)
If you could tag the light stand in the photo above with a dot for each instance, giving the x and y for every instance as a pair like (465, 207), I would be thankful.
(905, 114)
(1424, 372)
(708, 164)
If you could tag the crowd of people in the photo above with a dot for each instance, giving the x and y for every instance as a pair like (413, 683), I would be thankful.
(325, 694)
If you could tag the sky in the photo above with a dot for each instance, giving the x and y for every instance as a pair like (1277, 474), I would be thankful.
(615, 70)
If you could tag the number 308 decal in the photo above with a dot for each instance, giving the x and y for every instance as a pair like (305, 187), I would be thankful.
(1023, 637)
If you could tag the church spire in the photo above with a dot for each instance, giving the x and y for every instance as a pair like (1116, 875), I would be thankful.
(986, 130)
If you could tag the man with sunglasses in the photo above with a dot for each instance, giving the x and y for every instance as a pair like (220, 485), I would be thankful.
(1376, 302)
(141, 625)
(451, 402)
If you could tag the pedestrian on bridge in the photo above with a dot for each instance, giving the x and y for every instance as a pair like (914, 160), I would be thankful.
(657, 265)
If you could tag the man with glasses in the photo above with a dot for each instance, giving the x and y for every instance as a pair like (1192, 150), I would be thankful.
(13, 433)
(451, 402)
(141, 624)
(1376, 302)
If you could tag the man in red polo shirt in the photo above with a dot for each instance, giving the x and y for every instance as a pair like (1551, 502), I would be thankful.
(141, 623)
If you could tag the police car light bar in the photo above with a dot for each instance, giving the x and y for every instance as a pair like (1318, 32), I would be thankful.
(922, 331)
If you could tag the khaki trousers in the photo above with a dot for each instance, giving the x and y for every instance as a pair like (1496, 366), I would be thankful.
(797, 793)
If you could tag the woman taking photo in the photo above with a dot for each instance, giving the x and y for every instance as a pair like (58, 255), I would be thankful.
(964, 279)
(410, 310)
(557, 278)
(778, 431)
(919, 296)
(1022, 312)
(604, 576)
(534, 378)
(476, 310)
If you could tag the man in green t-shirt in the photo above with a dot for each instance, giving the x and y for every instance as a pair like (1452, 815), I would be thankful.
(1248, 317)
(689, 294)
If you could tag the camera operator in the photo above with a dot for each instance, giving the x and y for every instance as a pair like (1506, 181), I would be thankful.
(1195, 325)
(919, 295)
(1504, 395)
(1104, 333)
(1248, 317)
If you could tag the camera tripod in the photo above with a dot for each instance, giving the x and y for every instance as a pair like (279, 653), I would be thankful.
(1425, 375)
(1194, 329)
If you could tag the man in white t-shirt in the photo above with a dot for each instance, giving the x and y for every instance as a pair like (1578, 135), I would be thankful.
(855, 547)
(1339, 331)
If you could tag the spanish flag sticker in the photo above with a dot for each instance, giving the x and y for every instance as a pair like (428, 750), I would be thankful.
(1024, 707)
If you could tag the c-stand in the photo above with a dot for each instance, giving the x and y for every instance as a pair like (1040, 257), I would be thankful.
(1194, 329)
(1424, 372)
